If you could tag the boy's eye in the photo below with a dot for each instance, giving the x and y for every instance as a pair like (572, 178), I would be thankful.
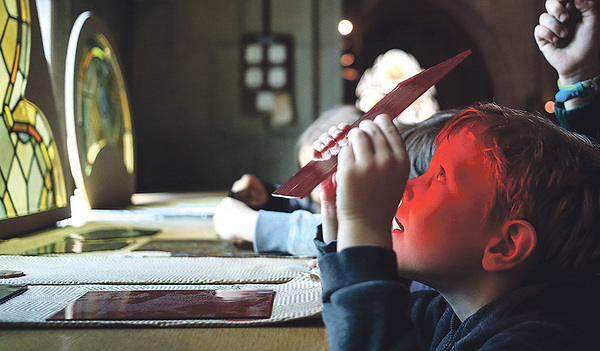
(441, 175)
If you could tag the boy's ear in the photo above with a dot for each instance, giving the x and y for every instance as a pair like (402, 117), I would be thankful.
(513, 245)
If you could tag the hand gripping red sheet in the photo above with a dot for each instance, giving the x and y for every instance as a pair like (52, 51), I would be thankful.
(314, 172)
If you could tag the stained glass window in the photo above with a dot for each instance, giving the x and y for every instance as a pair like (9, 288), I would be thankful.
(31, 176)
(104, 118)
(99, 123)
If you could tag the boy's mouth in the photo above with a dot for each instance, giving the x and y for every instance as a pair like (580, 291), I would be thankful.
(396, 225)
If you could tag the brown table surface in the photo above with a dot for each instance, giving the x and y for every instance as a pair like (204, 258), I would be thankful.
(298, 335)
(292, 336)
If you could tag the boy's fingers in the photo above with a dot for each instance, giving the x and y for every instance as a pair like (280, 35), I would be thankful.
(320, 150)
(335, 132)
(326, 139)
(554, 26)
(346, 160)
(557, 9)
(544, 36)
(335, 144)
(391, 133)
(360, 148)
(340, 129)
(378, 140)
(343, 126)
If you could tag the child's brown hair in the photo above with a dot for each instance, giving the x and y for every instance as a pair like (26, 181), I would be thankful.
(545, 175)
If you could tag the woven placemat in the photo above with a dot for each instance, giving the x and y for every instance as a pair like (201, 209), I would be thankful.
(298, 298)
(138, 269)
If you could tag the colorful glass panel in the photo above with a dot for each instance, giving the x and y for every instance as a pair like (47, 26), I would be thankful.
(31, 175)
(104, 115)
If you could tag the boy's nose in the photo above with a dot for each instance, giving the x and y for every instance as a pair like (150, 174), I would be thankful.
(408, 192)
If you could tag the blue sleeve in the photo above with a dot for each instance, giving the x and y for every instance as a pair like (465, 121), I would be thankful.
(368, 306)
(287, 233)
(583, 119)
(365, 304)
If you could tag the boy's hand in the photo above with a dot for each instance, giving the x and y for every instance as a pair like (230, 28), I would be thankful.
(371, 177)
(234, 220)
(577, 22)
(250, 190)
(323, 148)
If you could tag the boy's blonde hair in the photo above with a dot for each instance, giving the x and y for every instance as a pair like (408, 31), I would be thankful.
(545, 175)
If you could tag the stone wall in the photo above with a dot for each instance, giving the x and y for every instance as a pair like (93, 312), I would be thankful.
(182, 63)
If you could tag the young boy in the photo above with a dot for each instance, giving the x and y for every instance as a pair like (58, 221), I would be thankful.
(504, 225)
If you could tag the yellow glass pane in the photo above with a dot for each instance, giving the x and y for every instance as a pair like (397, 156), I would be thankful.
(48, 181)
(25, 112)
(25, 11)
(3, 12)
(11, 6)
(44, 199)
(9, 43)
(44, 151)
(8, 206)
(58, 178)
(8, 94)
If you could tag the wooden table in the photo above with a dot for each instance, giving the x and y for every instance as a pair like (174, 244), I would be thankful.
(298, 335)
(307, 335)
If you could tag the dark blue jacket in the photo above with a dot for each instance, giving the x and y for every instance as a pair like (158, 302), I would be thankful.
(367, 306)
(583, 120)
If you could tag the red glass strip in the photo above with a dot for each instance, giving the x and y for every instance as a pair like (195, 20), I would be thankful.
(405, 93)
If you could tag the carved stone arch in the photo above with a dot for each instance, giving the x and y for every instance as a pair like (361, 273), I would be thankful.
(495, 47)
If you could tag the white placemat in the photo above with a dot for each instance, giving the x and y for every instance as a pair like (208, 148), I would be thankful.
(127, 269)
(296, 299)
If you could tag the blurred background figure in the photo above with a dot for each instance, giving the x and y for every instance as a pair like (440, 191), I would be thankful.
(387, 71)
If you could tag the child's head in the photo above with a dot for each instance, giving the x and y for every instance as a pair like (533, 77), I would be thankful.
(420, 141)
(545, 176)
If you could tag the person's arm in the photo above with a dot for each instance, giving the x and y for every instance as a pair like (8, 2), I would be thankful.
(234, 220)
(270, 232)
(371, 176)
(568, 35)
(583, 119)
(367, 306)
(364, 300)
(287, 233)
(256, 193)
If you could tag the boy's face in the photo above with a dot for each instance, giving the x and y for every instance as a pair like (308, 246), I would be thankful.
(442, 212)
